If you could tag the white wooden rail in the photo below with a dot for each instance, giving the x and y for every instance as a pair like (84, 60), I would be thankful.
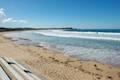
(11, 70)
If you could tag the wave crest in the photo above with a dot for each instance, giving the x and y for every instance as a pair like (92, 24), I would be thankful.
(85, 35)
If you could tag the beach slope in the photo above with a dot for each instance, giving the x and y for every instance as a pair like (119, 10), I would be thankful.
(52, 65)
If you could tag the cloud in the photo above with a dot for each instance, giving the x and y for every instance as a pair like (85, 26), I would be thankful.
(2, 13)
(13, 20)
(5, 19)
(22, 21)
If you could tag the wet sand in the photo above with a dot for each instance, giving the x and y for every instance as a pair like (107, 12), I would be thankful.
(52, 65)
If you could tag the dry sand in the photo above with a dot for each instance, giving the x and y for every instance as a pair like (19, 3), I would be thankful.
(55, 66)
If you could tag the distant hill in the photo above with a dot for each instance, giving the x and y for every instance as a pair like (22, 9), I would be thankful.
(2, 29)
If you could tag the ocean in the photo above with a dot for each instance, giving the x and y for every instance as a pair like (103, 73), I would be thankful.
(101, 45)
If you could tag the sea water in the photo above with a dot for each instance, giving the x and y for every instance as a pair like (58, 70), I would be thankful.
(103, 46)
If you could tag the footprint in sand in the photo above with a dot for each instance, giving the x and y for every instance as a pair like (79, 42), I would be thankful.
(109, 78)
(97, 76)
(97, 68)
(118, 74)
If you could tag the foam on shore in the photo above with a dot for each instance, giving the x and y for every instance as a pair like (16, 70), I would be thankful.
(85, 35)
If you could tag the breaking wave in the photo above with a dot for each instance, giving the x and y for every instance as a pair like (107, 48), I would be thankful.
(85, 35)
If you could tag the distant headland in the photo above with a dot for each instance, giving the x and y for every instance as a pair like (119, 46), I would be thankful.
(2, 29)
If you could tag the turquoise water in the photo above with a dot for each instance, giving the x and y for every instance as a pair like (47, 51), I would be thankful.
(95, 30)
(105, 51)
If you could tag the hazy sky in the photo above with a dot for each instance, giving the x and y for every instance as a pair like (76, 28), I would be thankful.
(60, 13)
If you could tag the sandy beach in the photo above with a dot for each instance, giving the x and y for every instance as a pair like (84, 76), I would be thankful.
(52, 65)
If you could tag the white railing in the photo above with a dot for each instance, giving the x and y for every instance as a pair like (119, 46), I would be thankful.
(12, 70)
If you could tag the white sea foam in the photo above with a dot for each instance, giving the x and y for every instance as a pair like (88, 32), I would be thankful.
(86, 35)
(103, 51)
(103, 55)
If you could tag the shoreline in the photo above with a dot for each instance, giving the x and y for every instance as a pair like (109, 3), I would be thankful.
(25, 41)
(55, 66)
